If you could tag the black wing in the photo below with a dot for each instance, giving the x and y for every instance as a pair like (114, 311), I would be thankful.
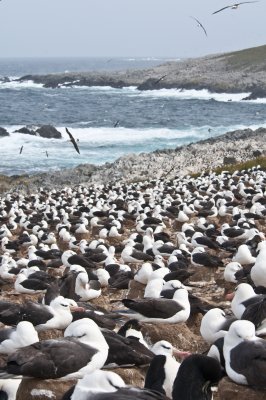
(73, 141)
(200, 24)
(154, 308)
(221, 9)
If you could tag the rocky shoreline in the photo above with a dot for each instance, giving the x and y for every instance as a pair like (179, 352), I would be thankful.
(230, 148)
(235, 72)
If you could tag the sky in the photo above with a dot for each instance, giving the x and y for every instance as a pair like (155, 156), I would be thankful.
(124, 28)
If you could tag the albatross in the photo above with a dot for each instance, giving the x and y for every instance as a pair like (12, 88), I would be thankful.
(160, 310)
(233, 6)
(82, 350)
(245, 355)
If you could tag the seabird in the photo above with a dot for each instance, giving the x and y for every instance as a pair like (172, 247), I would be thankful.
(132, 328)
(200, 258)
(160, 310)
(125, 351)
(214, 325)
(73, 141)
(55, 316)
(8, 388)
(107, 385)
(130, 255)
(82, 350)
(20, 151)
(233, 6)
(243, 296)
(12, 339)
(195, 376)
(233, 272)
(163, 368)
(199, 25)
(245, 355)
(29, 285)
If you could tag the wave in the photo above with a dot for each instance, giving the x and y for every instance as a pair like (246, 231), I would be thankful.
(181, 94)
(97, 145)
(16, 85)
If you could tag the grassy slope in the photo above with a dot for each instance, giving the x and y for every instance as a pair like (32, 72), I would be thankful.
(254, 56)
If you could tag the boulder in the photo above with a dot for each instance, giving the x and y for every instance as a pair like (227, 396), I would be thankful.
(40, 389)
(49, 132)
(26, 131)
(228, 390)
(3, 132)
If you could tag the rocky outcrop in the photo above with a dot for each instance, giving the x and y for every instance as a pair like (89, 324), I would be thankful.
(46, 131)
(236, 146)
(49, 132)
(240, 71)
(26, 130)
(3, 132)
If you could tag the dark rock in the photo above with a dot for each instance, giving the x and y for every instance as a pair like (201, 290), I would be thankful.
(257, 93)
(49, 132)
(257, 153)
(3, 132)
(228, 390)
(229, 160)
(26, 130)
(5, 79)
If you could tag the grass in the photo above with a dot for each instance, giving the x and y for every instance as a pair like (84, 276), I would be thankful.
(247, 57)
(238, 167)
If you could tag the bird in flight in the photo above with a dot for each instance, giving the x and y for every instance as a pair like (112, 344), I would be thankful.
(199, 25)
(73, 141)
(234, 6)
(20, 151)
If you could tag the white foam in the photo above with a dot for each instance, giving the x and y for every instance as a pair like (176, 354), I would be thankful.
(97, 145)
(203, 94)
(20, 85)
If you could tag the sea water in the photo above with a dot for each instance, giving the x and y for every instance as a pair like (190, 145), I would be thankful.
(107, 122)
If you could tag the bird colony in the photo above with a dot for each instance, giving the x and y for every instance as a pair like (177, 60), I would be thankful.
(147, 290)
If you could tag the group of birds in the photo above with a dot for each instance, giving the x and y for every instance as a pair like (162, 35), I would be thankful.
(66, 251)
(234, 6)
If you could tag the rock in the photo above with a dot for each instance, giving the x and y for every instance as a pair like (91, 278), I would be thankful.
(257, 153)
(257, 93)
(26, 130)
(40, 389)
(229, 160)
(3, 132)
(49, 132)
(178, 334)
(228, 390)
(132, 376)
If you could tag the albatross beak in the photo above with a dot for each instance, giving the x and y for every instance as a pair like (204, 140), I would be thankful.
(180, 354)
(77, 308)
(230, 296)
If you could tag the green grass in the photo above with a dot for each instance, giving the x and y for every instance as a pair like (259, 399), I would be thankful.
(238, 167)
(254, 56)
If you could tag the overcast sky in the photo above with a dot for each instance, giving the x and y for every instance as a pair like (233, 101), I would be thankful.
(112, 28)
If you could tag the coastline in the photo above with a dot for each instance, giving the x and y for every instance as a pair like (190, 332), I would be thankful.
(230, 148)
(234, 72)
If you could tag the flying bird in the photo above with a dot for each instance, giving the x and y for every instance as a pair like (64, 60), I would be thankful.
(73, 141)
(200, 25)
(234, 6)
(20, 151)
(116, 123)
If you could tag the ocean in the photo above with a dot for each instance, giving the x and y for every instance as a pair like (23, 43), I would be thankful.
(108, 123)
